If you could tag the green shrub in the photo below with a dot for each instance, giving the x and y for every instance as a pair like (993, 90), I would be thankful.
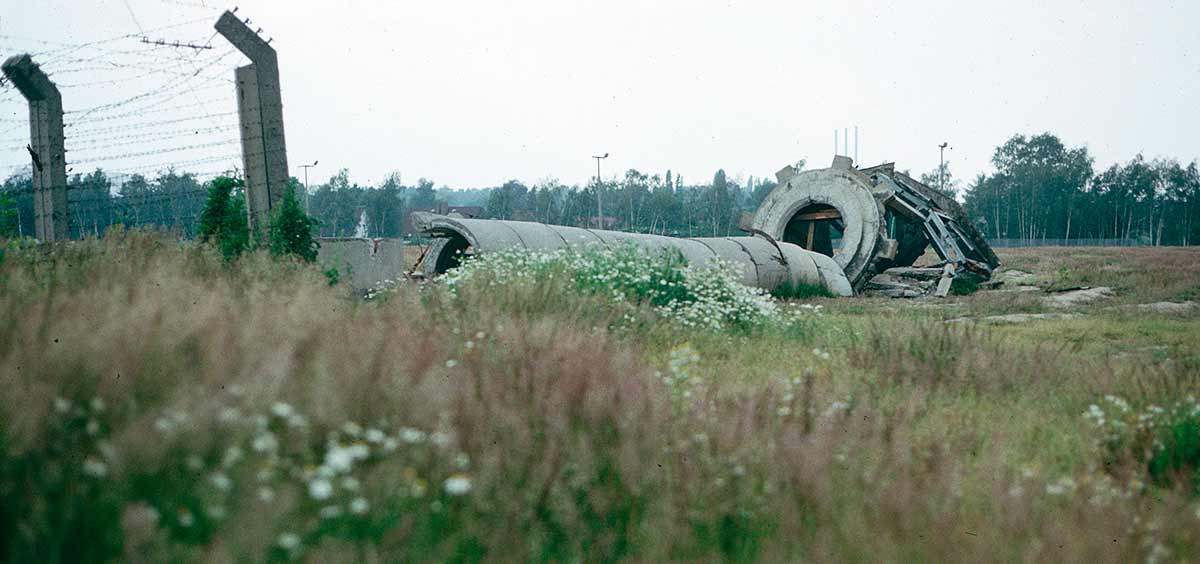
(964, 286)
(10, 219)
(291, 229)
(223, 221)
(801, 291)
(1162, 442)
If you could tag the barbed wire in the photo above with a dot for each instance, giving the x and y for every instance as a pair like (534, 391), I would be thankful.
(164, 89)
(87, 133)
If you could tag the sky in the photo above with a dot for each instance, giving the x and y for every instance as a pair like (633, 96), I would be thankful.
(471, 94)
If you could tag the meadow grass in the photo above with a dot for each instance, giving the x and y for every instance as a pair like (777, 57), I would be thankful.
(161, 403)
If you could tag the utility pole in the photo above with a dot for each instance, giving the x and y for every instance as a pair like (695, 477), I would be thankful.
(942, 168)
(260, 113)
(306, 167)
(45, 146)
(599, 198)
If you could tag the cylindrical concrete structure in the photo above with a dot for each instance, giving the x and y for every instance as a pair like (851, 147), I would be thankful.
(764, 263)
(839, 194)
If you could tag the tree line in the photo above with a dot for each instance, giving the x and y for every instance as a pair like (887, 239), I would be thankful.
(1044, 189)
(1041, 189)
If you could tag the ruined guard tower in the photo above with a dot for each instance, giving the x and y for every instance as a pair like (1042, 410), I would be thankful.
(260, 113)
(45, 146)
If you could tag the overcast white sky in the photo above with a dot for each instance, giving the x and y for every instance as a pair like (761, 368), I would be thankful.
(470, 94)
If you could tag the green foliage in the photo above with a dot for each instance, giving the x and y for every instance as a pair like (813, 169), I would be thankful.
(964, 286)
(223, 221)
(9, 218)
(710, 298)
(291, 229)
(333, 275)
(801, 291)
(279, 418)
(1162, 442)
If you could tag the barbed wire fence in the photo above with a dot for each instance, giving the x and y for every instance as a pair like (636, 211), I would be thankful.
(147, 124)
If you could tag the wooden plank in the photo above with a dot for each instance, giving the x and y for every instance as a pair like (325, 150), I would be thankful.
(819, 215)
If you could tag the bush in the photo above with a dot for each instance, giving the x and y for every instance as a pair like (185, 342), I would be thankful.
(964, 286)
(1161, 442)
(223, 221)
(709, 298)
(291, 229)
(801, 291)
(10, 219)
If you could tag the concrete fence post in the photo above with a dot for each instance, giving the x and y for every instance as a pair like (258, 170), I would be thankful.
(260, 113)
(45, 146)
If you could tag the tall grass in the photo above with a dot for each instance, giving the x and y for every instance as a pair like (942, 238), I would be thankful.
(161, 403)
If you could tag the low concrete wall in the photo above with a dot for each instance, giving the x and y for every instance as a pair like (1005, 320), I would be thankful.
(364, 263)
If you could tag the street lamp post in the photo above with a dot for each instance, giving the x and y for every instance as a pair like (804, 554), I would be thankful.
(306, 167)
(599, 198)
(942, 168)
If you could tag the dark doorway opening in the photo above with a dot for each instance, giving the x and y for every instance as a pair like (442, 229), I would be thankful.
(816, 227)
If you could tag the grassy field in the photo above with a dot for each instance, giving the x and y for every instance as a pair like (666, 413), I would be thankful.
(162, 404)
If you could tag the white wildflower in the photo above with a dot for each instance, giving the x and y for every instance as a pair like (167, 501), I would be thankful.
(297, 421)
(351, 428)
(266, 494)
(412, 436)
(349, 483)
(163, 425)
(1064, 485)
(320, 488)
(835, 408)
(359, 506)
(374, 436)
(451, 363)
(185, 518)
(281, 410)
(330, 512)
(62, 405)
(97, 404)
(457, 484)
(93, 427)
(233, 454)
(94, 467)
(229, 415)
(221, 481)
(288, 541)
(264, 442)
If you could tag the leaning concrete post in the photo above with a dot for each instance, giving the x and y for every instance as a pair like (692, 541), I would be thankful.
(260, 111)
(45, 146)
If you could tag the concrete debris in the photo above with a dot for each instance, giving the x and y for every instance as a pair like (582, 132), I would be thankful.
(1015, 277)
(1013, 318)
(1170, 308)
(765, 263)
(1077, 297)
(911, 282)
(846, 229)
(870, 220)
